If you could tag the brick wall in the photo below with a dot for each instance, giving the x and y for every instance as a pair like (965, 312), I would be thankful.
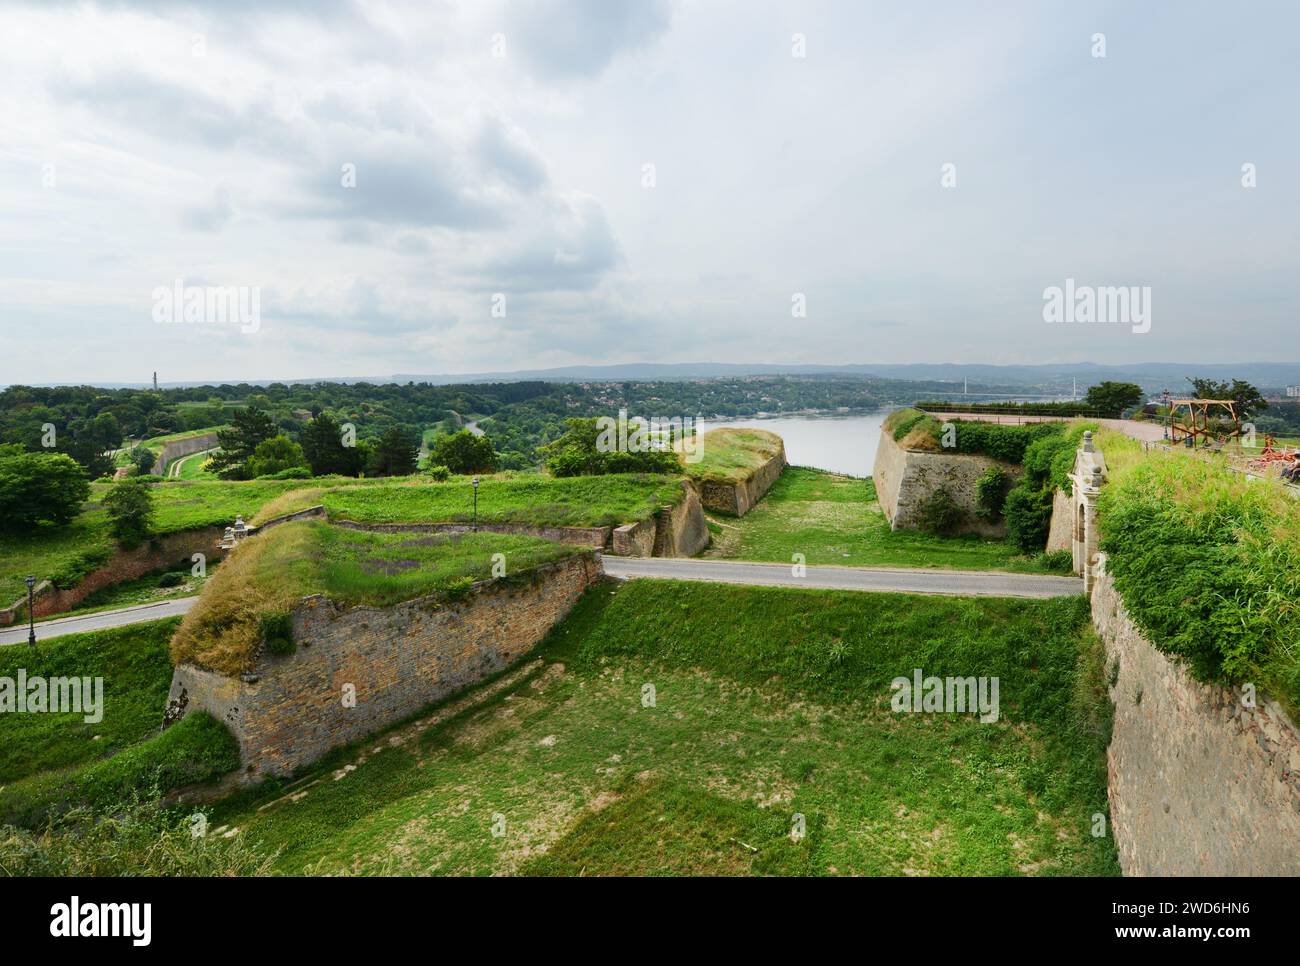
(173, 550)
(290, 710)
(1199, 784)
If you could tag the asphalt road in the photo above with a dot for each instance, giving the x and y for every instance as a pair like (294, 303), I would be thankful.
(966, 583)
(99, 621)
(960, 582)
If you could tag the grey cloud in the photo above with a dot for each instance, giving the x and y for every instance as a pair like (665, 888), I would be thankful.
(567, 39)
(213, 215)
(575, 247)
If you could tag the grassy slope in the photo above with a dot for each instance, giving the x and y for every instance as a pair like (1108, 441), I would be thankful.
(532, 498)
(730, 454)
(136, 669)
(769, 702)
(1208, 564)
(271, 573)
(66, 554)
(834, 519)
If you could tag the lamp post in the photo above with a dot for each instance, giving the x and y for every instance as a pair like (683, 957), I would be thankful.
(31, 616)
(474, 482)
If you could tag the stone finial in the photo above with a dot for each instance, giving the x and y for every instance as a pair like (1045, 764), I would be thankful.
(240, 527)
(1087, 441)
(1096, 477)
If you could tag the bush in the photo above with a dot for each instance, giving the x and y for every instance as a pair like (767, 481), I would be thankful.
(130, 510)
(940, 514)
(171, 580)
(277, 633)
(440, 474)
(272, 457)
(142, 459)
(991, 493)
(40, 488)
(581, 452)
(292, 473)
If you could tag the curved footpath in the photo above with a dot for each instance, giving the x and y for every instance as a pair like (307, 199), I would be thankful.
(977, 583)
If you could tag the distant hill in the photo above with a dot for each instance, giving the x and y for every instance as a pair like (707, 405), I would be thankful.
(1151, 376)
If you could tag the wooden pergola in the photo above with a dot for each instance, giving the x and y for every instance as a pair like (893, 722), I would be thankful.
(1191, 418)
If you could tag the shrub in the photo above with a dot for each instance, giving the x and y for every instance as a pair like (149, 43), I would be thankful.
(273, 456)
(40, 488)
(130, 510)
(277, 632)
(292, 473)
(172, 579)
(143, 459)
(940, 514)
(991, 493)
(1028, 512)
(439, 473)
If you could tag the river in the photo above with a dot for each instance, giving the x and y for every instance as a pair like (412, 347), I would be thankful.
(841, 444)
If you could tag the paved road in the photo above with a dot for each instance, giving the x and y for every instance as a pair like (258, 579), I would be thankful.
(99, 621)
(1147, 432)
(969, 582)
(974, 583)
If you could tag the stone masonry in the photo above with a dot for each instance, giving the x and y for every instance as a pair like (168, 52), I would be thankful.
(1199, 784)
(357, 670)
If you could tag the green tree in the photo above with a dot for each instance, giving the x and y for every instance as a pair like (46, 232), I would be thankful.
(326, 448)
(89, 442)
(395, 454)
(1249, 400)
(274, 455)
(249, 428)
(39, 488)
(577, 453)
(143, 459)
(1112, 398)
(130, 511)
(463, 452)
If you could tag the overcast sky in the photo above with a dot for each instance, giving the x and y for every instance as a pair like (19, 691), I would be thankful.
(501, 148)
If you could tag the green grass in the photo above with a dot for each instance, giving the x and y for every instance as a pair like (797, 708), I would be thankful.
(134, 663)
(730, 455)
(191, 467)
(272, 572)
(769, 703)
(198, 749)
(833, 519)
(53, 762)
(189, 505)
(61, 554)
(1208, 565)
(528, 498)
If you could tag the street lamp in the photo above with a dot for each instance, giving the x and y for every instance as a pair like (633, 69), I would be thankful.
(474, 481)
(31, 615)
